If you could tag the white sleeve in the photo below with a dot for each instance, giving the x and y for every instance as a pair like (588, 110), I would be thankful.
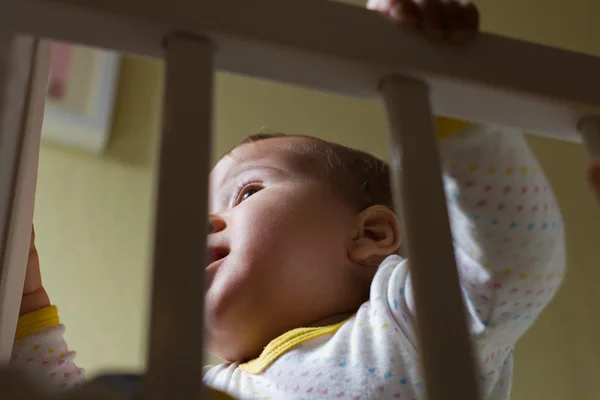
(507, 230)
(43, 355)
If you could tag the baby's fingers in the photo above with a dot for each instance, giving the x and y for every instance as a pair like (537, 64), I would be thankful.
(462, 22)
(404, 12)
(434, 19)
(451, 21)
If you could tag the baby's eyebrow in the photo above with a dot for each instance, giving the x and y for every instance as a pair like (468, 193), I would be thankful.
(219, 197)
(230, 179)
(253, 167)
(272, 168)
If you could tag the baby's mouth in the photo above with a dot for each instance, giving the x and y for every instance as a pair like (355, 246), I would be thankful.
(216, 254)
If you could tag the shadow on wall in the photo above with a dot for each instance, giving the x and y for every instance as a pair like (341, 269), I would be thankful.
(558, 357)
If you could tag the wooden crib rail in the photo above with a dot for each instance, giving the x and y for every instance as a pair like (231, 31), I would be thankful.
(331, 46)
(23, 77)
(321, 45)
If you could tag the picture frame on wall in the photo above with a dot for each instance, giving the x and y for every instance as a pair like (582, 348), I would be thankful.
(81, 96)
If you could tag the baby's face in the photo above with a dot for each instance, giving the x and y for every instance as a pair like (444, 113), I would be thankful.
(278, 248)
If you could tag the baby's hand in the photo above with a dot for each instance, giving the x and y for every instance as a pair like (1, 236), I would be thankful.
(452, 21)
(594, 178)
(34, 295)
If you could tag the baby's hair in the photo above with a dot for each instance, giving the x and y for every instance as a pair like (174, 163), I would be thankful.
(360, 179)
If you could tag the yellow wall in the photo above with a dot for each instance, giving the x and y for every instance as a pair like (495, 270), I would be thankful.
(93, 224)
(93, 214)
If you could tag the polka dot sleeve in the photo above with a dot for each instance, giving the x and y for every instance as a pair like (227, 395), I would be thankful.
(508, 231)
(41, 352)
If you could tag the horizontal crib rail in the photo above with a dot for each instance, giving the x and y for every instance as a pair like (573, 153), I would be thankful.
(340, 48)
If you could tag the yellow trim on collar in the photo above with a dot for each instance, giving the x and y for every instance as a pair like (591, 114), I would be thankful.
(448, 127)
(286, 342)
(445, 128)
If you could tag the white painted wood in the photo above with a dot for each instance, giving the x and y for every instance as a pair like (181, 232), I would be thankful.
(176, 328)
(24, 66)
(590, 132)
(331, 46)
(419, 197)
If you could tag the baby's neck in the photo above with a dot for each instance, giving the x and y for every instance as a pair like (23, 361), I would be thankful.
(334, 319)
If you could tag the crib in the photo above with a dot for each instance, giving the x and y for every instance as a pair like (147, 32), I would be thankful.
(494, 80)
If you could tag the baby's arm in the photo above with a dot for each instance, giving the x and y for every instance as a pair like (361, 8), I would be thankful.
(41, 352)
(507, 228)
(507, 231)
(40, 349)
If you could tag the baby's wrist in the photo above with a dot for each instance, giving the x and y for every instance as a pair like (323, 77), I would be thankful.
(34, 301)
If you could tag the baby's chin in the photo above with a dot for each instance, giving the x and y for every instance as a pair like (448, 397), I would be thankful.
(233, 344)
(235, 334)
(221, 304)
(227, 333)
(238, 329)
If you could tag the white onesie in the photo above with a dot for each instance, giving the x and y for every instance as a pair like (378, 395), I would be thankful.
(509, 245)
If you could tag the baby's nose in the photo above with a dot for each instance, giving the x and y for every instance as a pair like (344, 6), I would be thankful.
(215, 224)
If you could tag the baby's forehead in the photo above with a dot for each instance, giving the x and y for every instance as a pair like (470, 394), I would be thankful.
(292, 154)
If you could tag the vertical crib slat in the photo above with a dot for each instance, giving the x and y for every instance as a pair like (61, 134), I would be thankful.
(419, 195)
(24, 68)
(589, 128)
(176, 320)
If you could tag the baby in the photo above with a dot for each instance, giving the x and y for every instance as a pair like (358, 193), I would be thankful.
(308, 297)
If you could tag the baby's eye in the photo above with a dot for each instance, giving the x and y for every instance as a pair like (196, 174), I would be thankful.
(247, 193)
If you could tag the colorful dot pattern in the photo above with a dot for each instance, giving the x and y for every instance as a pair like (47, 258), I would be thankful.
(45, 355)
(509, 245)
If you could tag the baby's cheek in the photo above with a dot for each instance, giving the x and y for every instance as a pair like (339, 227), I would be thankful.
(217, 296)
(230, 296)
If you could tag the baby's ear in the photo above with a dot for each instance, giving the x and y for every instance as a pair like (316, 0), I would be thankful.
(378, 234)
